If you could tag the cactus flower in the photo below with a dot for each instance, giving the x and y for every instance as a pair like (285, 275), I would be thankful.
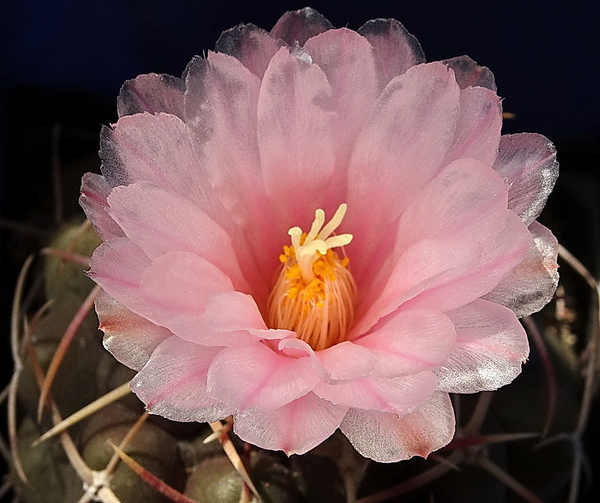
(314, 229)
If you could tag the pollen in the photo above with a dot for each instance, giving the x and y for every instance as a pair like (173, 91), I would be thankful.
(315, 293)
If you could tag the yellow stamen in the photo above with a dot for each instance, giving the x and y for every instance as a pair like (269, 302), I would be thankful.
(315, 293)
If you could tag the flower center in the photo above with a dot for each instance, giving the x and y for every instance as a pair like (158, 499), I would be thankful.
(315, 293)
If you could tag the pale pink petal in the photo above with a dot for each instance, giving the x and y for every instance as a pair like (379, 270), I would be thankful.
(530, 285)
(295, 428)
(425, 265)
(467, 199)
(297, 348)
(221, 111)
(230, 318)
(346, 360)
(397, 153)
(400, 395)
(151, 93)
(412, 124)
(478, 130)
(158, 149)
(527, 161)
(457, 290)
(300, 25)
(410, 341)
(386, 438)
(256, 376)
(470, 74)
(253, 46)
(221, 106)
(175, 288)
(160, 221)
(117, 266)
(173, 383)
(129, 337)
(295, 135)
(94, 191)
(491, 346)
(396, 48)
(161, 149)
(444, 273)
(349, 63)
(341, 362)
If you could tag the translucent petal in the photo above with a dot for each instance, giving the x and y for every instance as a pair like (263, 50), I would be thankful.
(151, 93)
(252, 46)
(386, 438)
(173, 383)
(530, 285)
(94, 191)
(300, 25)
(527, 161)
(294, 428)
(129, 337)
(491, 346)
(396, 48)
(470, 74)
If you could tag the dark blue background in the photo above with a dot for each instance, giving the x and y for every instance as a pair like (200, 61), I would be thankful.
(63, 61)
(545, 54)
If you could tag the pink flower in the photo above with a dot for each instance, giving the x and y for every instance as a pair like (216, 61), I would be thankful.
(315, 229)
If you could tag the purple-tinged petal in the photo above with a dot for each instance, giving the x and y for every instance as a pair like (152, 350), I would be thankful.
(129, 337)
(399, 395)
(300, 25)
(94, 191)
(151, 93)
(478, 129)
(255, 376)
(295, 135)
(470, 74)
(386, 438)
(396, 48)
(295, 428)
(531, 284)
(151, 216)
(173, 383)
(491, 346)
(410, 341)
(527, 161)
(252, 46)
